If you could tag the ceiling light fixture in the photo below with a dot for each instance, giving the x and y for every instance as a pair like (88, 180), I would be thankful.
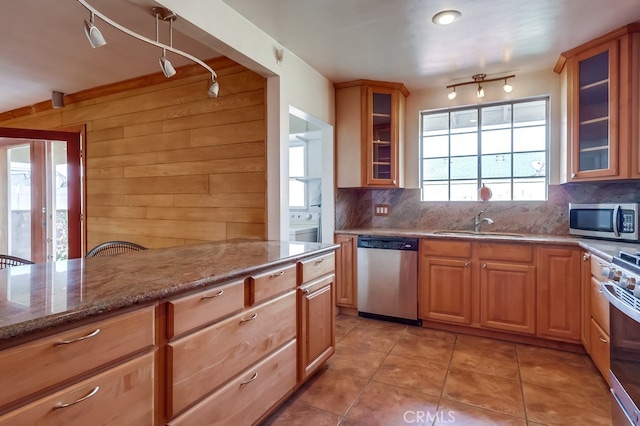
(480, 79)
(93, 33)
(165, 64)
(213, 88)
(446, 17)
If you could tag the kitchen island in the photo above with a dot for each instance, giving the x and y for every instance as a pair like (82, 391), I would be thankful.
(129, 338)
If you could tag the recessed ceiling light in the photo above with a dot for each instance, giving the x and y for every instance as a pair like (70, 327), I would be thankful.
(446, 17)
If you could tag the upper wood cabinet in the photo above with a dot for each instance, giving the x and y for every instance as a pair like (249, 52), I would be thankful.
(601, 82)
(370, 134)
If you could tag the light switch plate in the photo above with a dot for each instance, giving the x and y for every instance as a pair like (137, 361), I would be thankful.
(381, 210)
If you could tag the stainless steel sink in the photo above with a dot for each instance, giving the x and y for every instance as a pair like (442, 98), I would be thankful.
(487, 233)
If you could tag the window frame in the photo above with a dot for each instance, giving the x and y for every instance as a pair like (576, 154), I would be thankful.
(479, 179)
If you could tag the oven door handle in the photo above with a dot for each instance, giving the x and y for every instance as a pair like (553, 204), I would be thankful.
(609, 292)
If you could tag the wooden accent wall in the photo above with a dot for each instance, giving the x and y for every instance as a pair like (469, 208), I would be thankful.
(165, 164)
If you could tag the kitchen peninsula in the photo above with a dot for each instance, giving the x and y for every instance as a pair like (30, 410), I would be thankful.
(165, 335)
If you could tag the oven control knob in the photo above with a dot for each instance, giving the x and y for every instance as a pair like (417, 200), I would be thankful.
(607, 272)
(616, 274)
(628, 282)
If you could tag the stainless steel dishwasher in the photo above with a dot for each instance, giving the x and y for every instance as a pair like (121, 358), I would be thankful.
(388, 278)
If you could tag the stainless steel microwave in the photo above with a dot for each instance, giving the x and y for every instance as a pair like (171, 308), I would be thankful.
(608, 221)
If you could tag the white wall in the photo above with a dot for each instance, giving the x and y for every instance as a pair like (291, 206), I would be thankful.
(291, 82)
(540, 83)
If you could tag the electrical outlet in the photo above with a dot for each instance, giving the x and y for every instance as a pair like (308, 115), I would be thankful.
(381, 210)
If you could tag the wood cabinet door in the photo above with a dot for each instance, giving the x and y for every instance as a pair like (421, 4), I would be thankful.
(346, 278)
(381, 137)
(558, 293)
(445, 290)
(594, 113)
(316, 325)
(508, 297)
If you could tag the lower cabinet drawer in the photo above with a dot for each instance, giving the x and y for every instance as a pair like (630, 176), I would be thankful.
(244, 399)
(600, 349)
(122, 395)
(43, 363)
(204, 360)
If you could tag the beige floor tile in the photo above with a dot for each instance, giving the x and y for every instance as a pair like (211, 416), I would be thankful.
(485, 391)
(538, 354)
(412, 373)
(382, 404)
(355, 360)
(484, 343)
(295, 413)
(343, 325)
(431, 333)
(562, 377)
(331, 391)
(455, 413)
(552, 407)
(496, 363)
(429, 349)
(379, 339)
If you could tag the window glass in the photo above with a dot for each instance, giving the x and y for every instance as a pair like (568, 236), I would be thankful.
(503, 146)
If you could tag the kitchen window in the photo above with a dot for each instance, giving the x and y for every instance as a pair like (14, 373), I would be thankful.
(502, 146)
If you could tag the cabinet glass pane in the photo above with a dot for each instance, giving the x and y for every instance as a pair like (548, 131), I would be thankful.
(594, 135)
(594, 160)
(381, 152)
(594, 69)
(594, 102)
(381, 143)
(382, 171)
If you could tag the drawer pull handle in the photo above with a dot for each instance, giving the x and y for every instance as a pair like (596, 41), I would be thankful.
(320, 261)
(255, 376)
(279, 274)
(67, 342)
(87, 396)
(212, 296)
(251, 318)
(602, 339)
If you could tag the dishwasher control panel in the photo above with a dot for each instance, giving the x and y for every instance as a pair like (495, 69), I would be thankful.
(387, 243)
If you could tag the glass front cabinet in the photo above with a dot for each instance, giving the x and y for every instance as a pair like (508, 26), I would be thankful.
(601, 82)
(370, 133)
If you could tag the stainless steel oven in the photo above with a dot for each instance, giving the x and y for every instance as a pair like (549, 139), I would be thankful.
(622, 290)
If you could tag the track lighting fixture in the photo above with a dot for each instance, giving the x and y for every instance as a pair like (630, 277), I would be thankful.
(165, 65)
(480, 79)
(93, 33)
(96, 39)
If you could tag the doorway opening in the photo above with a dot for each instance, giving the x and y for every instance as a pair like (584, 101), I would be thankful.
(311, 198)
(41, 194)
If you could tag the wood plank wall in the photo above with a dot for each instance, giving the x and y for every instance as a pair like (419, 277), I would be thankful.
(165, 164)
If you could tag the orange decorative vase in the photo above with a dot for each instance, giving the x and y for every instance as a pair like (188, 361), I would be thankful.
(484, 193)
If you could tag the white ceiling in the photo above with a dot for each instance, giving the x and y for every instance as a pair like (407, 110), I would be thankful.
(44, 48)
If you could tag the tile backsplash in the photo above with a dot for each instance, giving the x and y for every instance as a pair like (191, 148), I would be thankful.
(355, 208)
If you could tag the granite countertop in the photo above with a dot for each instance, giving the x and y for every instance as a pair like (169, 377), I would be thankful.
(604, 249)
(43, 296)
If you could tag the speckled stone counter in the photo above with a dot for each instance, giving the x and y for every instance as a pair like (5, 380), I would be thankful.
(601, 248)
(39, 297)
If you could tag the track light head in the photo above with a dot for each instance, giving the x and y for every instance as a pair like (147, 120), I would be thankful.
(93, 33)
(507, 87)
(165, 65)
(452, 94)
(214, 89)
(480, 92)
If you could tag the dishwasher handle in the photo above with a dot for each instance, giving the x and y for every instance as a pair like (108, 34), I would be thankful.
(387, 243)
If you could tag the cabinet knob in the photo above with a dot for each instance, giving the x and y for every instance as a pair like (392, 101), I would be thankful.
(573, 175)
(466, 264)
(484, 266)
(586, 257)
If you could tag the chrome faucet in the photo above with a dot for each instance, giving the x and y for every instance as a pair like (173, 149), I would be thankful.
(477, 222)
